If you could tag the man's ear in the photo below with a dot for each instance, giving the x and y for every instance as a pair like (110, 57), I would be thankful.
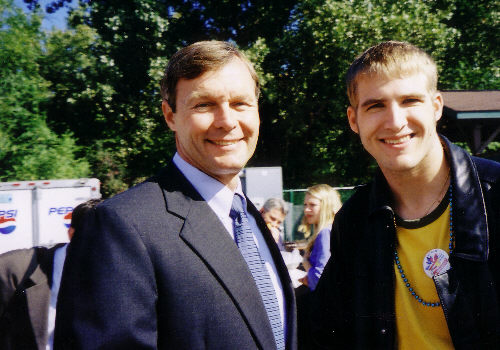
(71, 232)
(168, 114)
(438, 103)
(351, 116)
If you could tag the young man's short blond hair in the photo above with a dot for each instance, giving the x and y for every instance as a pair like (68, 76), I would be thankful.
(392, 59)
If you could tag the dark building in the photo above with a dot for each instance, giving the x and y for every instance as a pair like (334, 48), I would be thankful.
(472, 117)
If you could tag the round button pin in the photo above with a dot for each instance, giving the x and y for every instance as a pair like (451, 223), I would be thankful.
(436, 262)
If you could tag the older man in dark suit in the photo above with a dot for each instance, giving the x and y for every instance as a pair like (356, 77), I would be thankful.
(184, 260)
(29, 283)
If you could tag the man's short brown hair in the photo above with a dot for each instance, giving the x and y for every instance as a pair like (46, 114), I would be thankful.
(393, 59)
(196, 59)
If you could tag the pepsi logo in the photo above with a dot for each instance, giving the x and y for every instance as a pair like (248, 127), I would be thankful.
(67, 220)
(60, 210)
(7, 225)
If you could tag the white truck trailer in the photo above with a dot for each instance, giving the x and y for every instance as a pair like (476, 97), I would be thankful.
(38, 213)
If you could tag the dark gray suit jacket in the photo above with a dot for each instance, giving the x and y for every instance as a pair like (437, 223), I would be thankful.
(155, 268)
(25, 282)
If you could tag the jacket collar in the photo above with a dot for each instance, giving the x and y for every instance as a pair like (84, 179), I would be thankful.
(470, 226)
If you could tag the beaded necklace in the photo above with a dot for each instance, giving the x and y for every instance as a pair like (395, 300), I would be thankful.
(411, 290)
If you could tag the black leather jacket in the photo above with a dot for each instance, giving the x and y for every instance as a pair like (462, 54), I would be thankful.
(353, 306)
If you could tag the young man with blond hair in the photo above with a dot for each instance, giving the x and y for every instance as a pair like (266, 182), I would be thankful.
(414, 260)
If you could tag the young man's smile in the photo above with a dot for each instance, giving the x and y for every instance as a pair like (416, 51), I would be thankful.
(396, 120)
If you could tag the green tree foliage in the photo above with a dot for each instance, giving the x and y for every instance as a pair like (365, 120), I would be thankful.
(474, 61)
(112, 107)
(309, 63)
(106, 74)
(29, 148)
(100, 79)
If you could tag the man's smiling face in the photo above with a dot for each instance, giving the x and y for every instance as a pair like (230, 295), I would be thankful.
(396, 120)
(216, 122)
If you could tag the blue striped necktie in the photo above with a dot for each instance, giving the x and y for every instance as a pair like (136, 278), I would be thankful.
(245, 241)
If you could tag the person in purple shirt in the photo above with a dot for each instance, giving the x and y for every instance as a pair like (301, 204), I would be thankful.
(320, 205)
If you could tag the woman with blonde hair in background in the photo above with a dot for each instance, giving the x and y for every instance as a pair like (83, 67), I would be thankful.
(321, 203)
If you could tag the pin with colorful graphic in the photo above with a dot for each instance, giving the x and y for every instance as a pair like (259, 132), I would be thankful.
(436, 262)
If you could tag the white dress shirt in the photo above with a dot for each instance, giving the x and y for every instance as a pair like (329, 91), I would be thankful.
(220, 198)
(59, 257)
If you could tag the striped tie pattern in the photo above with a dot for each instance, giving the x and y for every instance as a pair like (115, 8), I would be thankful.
(245, 241)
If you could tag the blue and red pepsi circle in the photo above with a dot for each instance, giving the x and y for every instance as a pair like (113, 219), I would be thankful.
(67, 220)
(7, 225)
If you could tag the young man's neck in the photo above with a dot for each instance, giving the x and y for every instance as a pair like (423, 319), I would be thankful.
(417, 192)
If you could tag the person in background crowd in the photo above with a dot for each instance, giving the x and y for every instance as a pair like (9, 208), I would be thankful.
(274, 212)
(29, 285)
(415, 253)
(184, 260)
(320, 205)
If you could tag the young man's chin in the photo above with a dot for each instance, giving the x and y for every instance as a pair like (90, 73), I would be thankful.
(397, 164)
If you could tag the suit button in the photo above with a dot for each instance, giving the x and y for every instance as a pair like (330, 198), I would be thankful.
(383, 331)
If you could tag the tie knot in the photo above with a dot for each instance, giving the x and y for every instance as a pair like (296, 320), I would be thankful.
(236, 207)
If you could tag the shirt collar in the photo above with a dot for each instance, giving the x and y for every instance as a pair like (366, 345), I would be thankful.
(59, 257)
(218, 196)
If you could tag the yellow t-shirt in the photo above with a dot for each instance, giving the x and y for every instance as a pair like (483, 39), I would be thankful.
(419, 326)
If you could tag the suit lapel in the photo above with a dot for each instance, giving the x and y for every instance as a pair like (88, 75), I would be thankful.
(207, 236)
